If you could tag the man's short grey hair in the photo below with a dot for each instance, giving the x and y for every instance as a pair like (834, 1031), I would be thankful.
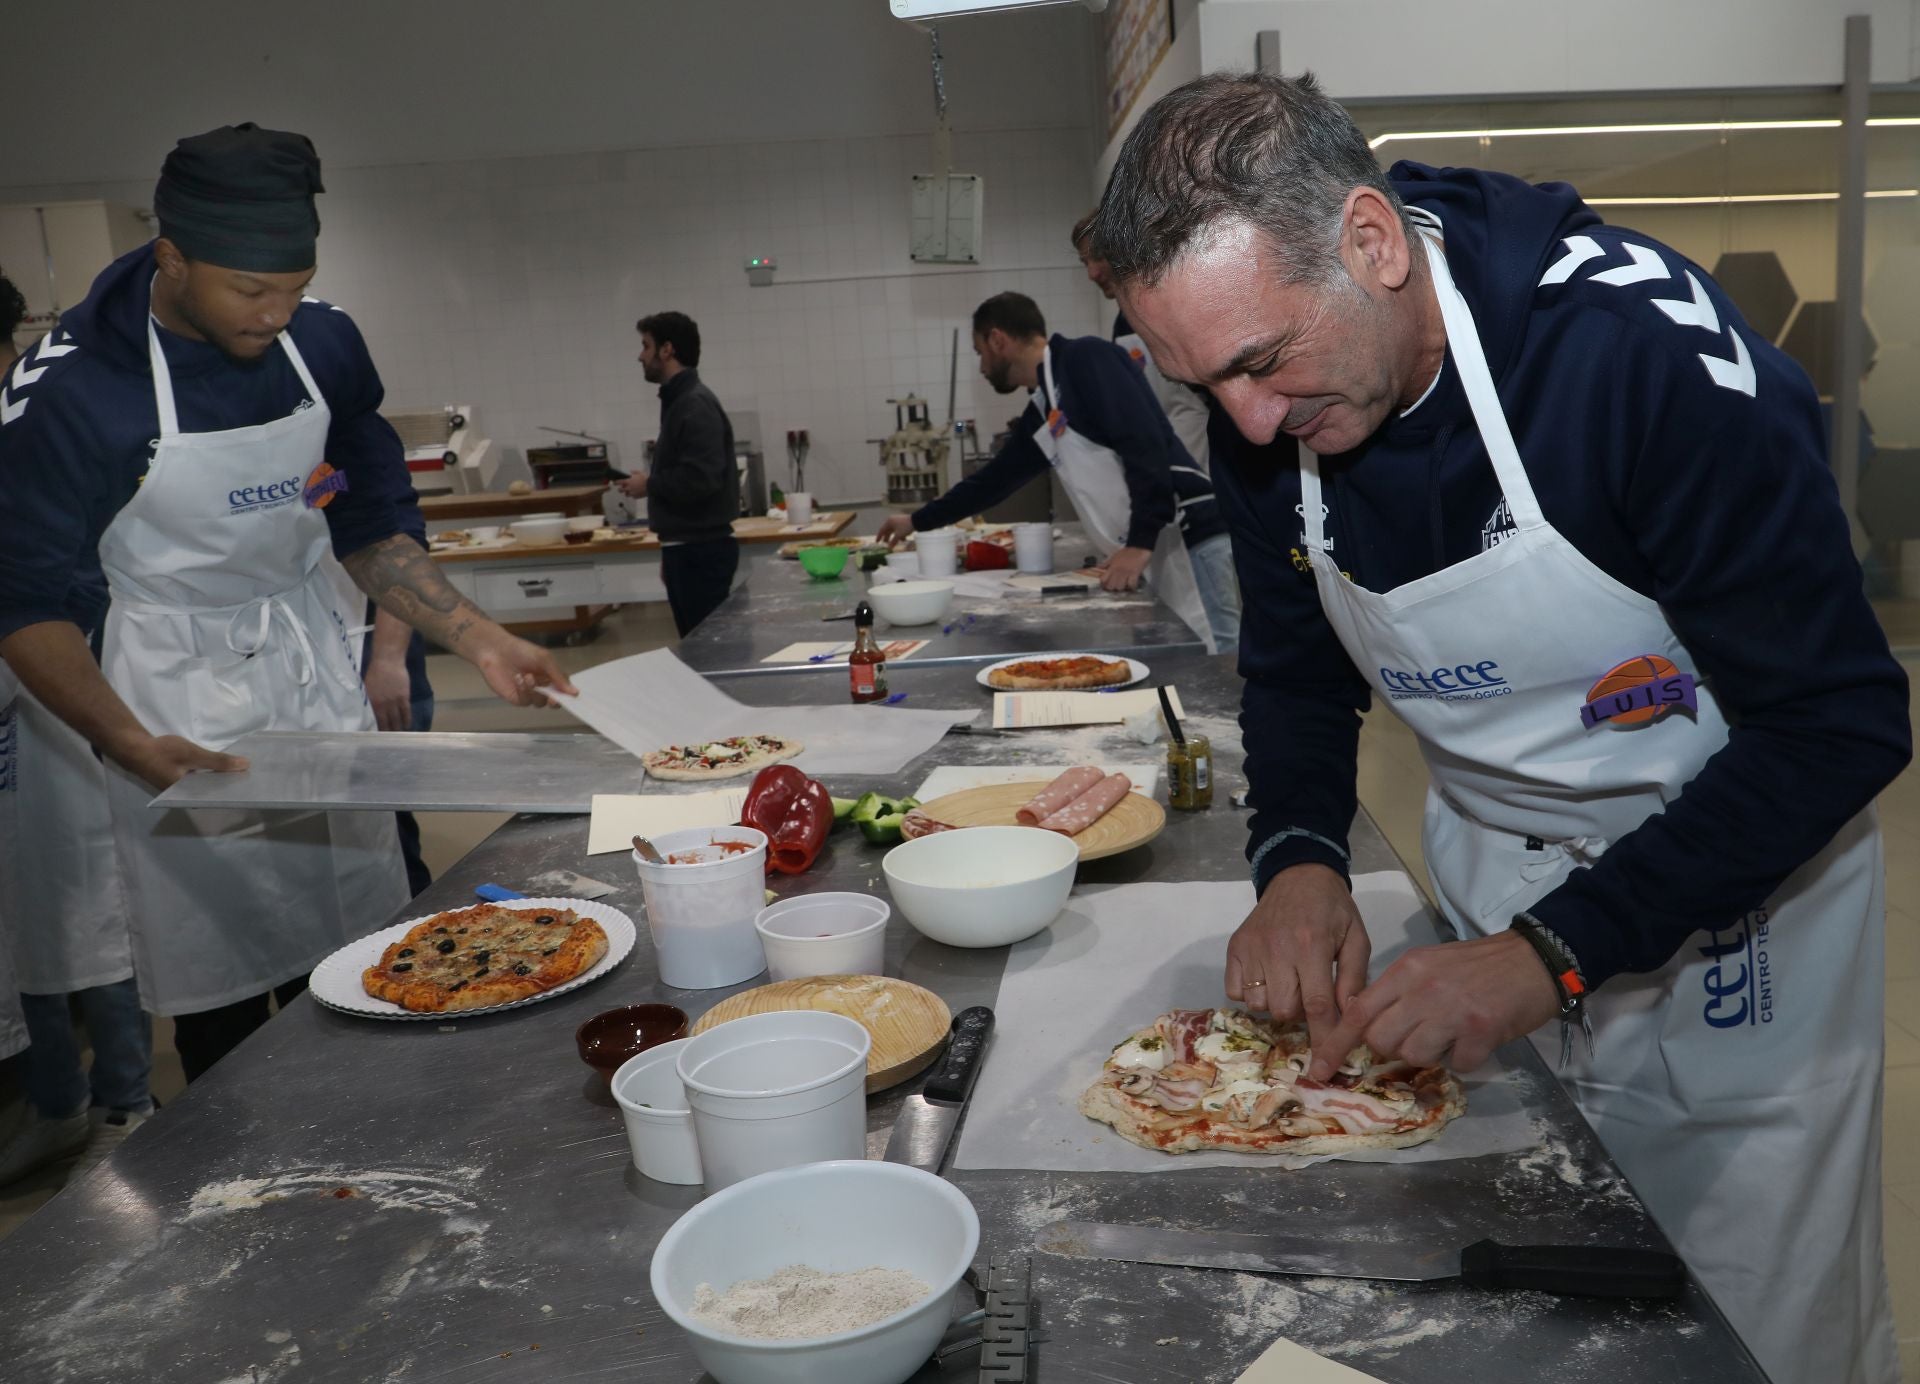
(1275, 152)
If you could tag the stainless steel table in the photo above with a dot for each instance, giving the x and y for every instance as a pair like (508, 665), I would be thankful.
(354, 1200)
(780, 604)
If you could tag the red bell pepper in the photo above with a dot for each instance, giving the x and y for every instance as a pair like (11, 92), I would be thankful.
(794, 811)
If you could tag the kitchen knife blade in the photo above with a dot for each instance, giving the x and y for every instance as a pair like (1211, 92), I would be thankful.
(926, 1120)
(1568, 1270)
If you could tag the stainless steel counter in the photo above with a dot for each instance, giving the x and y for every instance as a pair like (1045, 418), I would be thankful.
(354, 1200)
(780, 604)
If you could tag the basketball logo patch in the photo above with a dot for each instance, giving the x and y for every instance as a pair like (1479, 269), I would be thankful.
(1056, 424)
(1640, 691)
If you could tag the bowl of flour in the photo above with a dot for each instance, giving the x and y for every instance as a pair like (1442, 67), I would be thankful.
(839, 1271)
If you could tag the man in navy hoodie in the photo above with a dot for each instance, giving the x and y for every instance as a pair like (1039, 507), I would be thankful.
(1532, 480)
(199, 489)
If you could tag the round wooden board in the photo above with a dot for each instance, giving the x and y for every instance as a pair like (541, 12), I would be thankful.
(1135, 820)
(908, 1023)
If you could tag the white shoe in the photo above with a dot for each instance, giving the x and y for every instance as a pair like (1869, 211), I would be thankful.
(109, 1129)
(40, 1141)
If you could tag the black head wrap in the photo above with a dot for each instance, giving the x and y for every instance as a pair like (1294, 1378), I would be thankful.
(242, 197)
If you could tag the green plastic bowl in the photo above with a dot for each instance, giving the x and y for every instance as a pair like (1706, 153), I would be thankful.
(824, 562)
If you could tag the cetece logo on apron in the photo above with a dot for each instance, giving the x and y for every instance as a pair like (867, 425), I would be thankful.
(1464, 682)
(1638, 693)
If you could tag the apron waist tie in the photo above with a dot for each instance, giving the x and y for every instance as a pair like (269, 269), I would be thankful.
(263, 610)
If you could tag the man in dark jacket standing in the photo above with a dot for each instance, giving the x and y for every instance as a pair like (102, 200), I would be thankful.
(693, 488)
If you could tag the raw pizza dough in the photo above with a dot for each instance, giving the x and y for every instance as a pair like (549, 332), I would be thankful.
(1222, 1079)
(474, 958)
(1061, 674)
(741, 754)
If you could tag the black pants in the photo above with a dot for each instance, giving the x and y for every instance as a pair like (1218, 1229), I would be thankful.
(203, 1039)
(698, 578)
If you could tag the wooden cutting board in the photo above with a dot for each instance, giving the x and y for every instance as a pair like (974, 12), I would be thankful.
(908, 1024)
(1135, 820)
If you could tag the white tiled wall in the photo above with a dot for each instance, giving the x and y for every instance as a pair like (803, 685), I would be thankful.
(514, 284)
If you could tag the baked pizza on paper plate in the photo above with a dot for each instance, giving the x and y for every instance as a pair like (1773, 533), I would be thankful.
(487, 955)
(1063, 673)
(1222, 1079)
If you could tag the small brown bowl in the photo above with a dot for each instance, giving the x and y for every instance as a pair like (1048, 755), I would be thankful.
(607, 1040)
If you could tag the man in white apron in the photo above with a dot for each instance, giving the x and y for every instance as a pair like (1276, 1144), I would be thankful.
(1531, 480)
(200, 435)
(1091, 417)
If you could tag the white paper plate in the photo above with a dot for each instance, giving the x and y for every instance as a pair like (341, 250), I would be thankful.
(336, 981)
(1140, 670)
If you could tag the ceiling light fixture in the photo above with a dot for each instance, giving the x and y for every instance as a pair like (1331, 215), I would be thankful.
(1739, 197)
(1677, 127)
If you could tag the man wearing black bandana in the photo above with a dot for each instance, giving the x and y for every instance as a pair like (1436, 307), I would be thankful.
(194, 464)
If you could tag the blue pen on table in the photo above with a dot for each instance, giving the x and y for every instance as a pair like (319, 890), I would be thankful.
(895, 699)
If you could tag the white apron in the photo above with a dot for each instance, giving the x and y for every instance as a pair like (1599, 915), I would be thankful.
(61, 905)
(224, 621)
(1096, 483)
(1739, 1086)
(1186, 410)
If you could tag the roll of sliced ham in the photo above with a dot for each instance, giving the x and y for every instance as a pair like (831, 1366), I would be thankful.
(1057, 795)
(1090, 806)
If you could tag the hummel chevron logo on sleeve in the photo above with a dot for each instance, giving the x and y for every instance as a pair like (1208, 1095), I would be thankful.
(28, 370)
(1697, 310)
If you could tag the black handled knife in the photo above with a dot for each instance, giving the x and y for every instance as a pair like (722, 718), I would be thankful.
(926, 1122)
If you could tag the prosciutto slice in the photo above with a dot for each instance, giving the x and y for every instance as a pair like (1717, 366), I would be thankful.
(1090, 806)
(1056, 795)
(1182, 1028)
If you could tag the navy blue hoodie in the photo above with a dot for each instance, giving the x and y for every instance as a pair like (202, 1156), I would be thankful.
(78, 422)
(1107, 400)
(1711, 499)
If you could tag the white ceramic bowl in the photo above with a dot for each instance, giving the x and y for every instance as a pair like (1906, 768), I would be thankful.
(540, 531)
(912, 602)
(585, 523)
(982, 886)
(835, 1217)
(824, 935)
(483, 533)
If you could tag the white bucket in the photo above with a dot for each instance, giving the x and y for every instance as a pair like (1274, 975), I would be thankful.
(1033, 547)
(799, 508)
(653, 1106)
(824, 935)
(701, 915)
(939, 552)
(776, 1090)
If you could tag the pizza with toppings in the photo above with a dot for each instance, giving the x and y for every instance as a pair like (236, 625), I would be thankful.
(1222, 1079)
(1061, 674)
(474, 958)
(742, 754)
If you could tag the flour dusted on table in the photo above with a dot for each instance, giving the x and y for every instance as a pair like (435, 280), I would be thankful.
(797, 1302)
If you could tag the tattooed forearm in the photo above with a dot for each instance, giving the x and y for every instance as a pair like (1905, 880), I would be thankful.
(404, 581)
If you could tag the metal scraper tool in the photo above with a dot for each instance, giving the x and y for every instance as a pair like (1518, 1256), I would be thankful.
(565, 884)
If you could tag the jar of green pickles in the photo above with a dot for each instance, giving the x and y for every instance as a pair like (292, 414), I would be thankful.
(1190, 773)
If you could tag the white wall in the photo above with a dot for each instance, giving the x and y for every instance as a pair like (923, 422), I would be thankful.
(1392, 49)
(513, 283)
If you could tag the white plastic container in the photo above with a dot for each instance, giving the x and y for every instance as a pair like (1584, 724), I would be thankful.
(799, 507)
(483, 533)
(653, 1106)
(939, 552)
(982, 887)
(540, 532)
(701, 915)
(912, 602)
(835, 1217)
(824, 935)
(1033, 547)
(776, 1090)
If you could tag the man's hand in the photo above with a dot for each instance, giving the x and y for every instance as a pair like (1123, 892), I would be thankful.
(1467, 997)
(390, 691)
(160, 761)
(1302, 952)
(896, 529)
(516, 669)
(634, 486)
(1125, 568)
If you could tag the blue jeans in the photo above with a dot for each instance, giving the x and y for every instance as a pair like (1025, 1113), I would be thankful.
(56, 1084)
(1212, 560)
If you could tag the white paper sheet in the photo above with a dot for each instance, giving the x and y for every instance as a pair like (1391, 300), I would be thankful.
(826, 651)
(1286, 1362)
(651, 700)
(1116, 959)
(1027, 710)
(619, 817)
(951, 778)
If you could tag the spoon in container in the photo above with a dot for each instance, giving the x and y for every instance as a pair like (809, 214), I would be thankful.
(647, 851)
